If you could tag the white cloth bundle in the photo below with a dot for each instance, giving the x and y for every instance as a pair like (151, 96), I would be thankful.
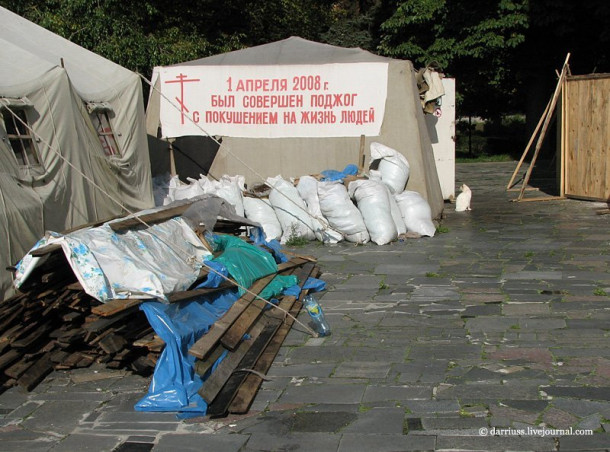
(341, 213)
(290, 209)
(308, 190)
(416, 213)
(393, 166)
(261, 211)
(372, 199)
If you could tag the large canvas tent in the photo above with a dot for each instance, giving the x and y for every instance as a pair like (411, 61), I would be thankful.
(327, 77)
(69, 120)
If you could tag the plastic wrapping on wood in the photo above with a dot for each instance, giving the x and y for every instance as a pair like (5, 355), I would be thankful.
(175, 383)
(245, 263)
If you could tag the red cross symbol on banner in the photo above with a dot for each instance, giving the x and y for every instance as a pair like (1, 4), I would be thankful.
(182, 80)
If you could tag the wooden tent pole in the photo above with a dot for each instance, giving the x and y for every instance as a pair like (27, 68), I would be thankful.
(361, 154)
(545, 126)
(172, 159)
(529, 144)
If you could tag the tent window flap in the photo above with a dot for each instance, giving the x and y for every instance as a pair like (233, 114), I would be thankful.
(18, 134)
(101, 122)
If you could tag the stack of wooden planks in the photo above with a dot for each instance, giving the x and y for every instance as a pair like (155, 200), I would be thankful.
(252, 335)
(54, 324)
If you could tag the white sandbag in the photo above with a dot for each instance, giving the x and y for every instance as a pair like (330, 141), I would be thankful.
(290, 209)
(308, 190)
(372, 199)
(179, 190)
(230, 188)
(393, 166)
(399, 221)
(416, 213)
(261, 211)
(341, 213)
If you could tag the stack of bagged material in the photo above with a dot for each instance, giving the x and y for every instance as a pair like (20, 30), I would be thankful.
(331, 207)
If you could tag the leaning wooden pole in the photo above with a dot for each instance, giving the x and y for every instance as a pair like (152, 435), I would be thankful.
(545, 126)
(529, 144)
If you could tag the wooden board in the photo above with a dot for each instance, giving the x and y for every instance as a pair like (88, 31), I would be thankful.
(247, 391)
(150, 218)
(235, 333)
(206, 343)
(212, 386)
(115, 306)
(587, 138)
(220, 405)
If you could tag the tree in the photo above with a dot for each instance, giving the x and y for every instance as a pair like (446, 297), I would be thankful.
(474, 41)
(142, 34)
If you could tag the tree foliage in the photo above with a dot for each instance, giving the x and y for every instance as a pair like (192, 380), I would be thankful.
(473, 41)
(494, 48)
(142, 34)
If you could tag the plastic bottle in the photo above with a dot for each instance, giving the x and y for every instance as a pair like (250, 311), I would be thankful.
(317, 316)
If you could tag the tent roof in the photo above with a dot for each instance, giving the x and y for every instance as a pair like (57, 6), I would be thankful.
(293, 50)
(20, 66)
(89, 73)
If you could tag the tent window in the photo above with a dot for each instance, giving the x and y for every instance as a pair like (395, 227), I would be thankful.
(20, 138)
(104, 132)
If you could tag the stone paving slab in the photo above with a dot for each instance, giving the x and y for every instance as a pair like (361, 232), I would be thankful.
(501, 322)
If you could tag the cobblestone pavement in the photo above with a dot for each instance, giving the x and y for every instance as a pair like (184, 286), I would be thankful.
(490, 336)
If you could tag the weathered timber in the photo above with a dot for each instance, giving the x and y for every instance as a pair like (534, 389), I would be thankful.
(203, 366)
(220, 405)
(205, 344)
(241, 326)
(247, 391)
(36, 373)
(212, 386)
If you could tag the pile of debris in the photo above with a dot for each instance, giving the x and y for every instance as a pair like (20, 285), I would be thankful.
(55, 323)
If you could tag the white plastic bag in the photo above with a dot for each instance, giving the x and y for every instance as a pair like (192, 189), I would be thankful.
(399, 221)
(416, 213)
(308, 190)
(230, 188)
(393, 166)
(341, 213)
(261, 211)
(179, 190)
(372, 199)
(290, 209)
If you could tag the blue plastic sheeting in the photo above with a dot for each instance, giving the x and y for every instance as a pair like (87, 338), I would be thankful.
(312, 284)
(332, 175)
(258, 237)
(217, 275)
(175, 383)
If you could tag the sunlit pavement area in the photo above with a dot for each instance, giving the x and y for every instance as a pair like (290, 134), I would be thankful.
(493, 335)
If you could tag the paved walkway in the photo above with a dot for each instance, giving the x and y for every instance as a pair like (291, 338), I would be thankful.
(490, 336)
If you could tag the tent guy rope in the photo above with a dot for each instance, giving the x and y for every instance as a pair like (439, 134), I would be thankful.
(323, 221)
(120, 204)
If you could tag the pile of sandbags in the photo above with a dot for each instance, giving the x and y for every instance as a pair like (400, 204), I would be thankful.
(376, 208)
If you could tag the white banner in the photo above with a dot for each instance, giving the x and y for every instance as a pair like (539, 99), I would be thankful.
(330, 100)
